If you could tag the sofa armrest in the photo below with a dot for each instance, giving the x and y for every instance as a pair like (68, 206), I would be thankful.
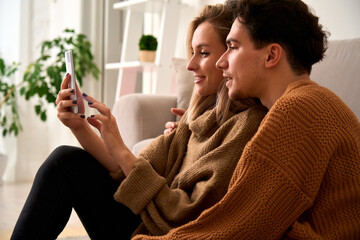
(143, 116)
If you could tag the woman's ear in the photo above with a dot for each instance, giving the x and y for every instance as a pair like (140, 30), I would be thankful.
(274, 54)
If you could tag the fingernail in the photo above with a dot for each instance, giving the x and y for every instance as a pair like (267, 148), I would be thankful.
(92, 116)
(67, 74)
(173, 125)
(90, 103)
(74, 102)
(72, 90)
(82, 116)
(84, 95)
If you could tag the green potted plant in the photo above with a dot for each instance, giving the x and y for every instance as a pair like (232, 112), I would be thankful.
(147, 45)
(42, 78)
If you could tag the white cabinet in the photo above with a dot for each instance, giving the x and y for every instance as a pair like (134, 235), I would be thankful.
(156, 76)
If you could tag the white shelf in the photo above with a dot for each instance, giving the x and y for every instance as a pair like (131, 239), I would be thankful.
(140, 5)
(134, 64)
(166, 15)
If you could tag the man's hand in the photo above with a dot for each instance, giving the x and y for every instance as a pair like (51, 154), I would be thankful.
(170, 126)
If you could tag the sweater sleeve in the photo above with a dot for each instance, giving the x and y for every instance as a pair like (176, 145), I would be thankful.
(152, 165)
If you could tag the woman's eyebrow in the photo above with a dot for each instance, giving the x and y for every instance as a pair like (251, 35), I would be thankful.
(202, 45)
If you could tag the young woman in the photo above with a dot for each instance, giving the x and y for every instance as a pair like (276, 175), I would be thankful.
(171, 181)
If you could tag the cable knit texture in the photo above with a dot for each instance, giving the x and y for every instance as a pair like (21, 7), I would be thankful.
(298, 178)
(166, 197)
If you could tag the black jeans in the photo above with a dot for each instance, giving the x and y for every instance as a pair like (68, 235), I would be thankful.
(71, 178)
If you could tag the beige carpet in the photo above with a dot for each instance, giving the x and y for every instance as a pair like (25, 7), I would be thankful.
(75, 238)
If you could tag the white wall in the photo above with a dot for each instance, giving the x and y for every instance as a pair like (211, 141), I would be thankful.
(340, 18)
(188, 12)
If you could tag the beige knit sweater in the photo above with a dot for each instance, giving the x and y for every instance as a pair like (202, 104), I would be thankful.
(298, 178)
(166, 198)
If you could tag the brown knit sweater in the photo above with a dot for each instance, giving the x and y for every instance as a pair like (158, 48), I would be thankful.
(166, 198)
(298, 178)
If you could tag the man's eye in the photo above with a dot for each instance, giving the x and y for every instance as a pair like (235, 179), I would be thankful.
(204, 54)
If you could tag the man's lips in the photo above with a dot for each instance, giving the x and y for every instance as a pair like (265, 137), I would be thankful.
(198, 79)
(227, 77)
(228, 81)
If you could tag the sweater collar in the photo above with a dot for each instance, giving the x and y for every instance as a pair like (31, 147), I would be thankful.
(298, 84)
(204, 123)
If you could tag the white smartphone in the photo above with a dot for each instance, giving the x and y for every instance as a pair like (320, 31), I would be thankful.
(69, 62)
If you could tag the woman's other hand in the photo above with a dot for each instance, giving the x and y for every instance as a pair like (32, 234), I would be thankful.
(105, 122)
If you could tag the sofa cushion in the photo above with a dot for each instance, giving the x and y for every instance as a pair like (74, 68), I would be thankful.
(184, 83)
(141, 145)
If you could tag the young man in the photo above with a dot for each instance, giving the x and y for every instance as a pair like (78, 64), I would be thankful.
(299, 176)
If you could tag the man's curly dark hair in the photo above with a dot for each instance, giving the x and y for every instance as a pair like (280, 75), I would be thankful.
(289, 23)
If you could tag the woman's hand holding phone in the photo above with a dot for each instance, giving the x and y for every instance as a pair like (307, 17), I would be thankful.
(65, 103)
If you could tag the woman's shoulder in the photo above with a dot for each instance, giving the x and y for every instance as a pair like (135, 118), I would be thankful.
(253, 113)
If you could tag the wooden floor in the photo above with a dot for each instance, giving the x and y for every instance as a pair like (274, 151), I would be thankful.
(12, 198)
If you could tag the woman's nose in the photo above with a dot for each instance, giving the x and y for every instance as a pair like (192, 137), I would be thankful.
(192, 65)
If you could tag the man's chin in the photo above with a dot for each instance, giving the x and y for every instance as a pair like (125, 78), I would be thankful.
(233, 95)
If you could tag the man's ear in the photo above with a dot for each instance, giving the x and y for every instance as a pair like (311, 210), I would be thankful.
(274, 53)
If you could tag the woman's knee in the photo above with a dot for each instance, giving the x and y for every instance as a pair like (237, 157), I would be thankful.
(64, 157)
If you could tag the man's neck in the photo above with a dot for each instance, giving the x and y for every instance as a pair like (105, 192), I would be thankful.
(277, 88)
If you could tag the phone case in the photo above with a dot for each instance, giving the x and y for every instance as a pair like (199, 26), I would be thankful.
(69, 62)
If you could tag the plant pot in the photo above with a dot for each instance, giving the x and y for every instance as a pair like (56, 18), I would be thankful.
(147, 56)
(3, 161)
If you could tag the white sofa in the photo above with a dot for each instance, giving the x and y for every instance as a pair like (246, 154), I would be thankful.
(141, 117)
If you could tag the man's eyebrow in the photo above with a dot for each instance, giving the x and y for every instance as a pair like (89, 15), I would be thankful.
(228, 41)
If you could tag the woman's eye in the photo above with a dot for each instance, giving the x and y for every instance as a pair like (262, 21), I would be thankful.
(204, 54)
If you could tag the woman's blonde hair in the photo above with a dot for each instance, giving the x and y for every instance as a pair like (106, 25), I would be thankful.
(221, 19)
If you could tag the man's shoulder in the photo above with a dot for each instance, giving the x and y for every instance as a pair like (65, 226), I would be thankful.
(311, 102)
(308, 96)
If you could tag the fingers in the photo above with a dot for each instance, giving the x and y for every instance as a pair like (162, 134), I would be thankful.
(65, 82)
(95, 123)
(178, 111)
(69, 115)
(168, 131)
(170, 125)
(64, 105)
(65, 92)
(64, 95)
(101, 107)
